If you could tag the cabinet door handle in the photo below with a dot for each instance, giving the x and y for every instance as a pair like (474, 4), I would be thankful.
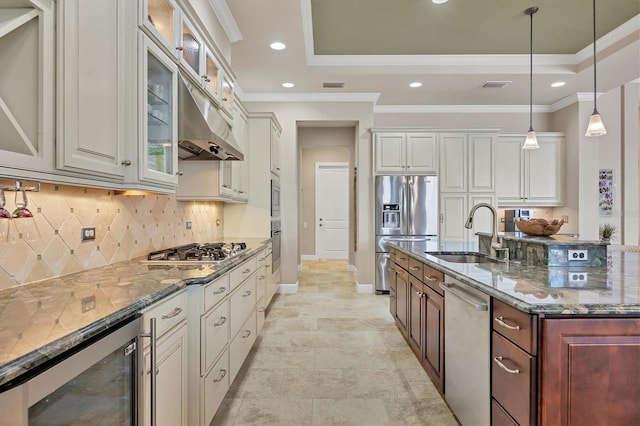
(220, 290)
(246, 334)
(430, 278)
(498, 361)
(179, 48)
(172, 314)
(419, 294)
(246, 271)
(126, 162)
(402, 258)
(221, 321)
(221, 376)
(247, 293)
(441, 217)
(261, 277)
(414, 268)
(501, 321)
(267, 266)
(391, 270)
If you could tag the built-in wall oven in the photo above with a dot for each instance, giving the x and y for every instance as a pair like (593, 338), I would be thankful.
(95, 385)
(275, 243)
(275, 198)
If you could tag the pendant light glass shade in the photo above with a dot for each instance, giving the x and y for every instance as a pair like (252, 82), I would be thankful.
(596, 126)
(531, 141)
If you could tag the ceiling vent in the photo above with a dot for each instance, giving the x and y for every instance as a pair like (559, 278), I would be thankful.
(495, 84)
(333, 84)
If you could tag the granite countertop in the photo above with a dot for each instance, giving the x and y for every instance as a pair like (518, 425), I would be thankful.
(610, 290)
(42, 320)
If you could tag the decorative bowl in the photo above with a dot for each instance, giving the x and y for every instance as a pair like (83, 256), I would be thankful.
(539, 227)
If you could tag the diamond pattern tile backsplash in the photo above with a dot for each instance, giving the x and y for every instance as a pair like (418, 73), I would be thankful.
(127, 226)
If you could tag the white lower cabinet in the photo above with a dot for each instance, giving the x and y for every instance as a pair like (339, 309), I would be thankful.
(224, 316)
(241, 345)
(171, 362)
(215, 384)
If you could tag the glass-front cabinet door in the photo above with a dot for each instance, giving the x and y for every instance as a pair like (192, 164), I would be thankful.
(191, 50)
(161, 18)
(210, 76)
(159, 160)
(227, 93)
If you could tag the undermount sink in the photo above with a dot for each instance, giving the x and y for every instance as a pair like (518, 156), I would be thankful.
(462, 257)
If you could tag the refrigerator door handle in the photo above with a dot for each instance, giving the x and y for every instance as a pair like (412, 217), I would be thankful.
(407, 206)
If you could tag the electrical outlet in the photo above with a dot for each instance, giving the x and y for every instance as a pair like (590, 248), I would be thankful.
(88, 234)
(565, 218)
(578, 277)
(88, 303)
(189, 224)
(578, 255)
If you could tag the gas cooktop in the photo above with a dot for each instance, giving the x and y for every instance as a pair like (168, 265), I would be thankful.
(210, 253)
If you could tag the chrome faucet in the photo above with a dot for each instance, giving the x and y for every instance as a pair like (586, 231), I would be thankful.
(496, 244)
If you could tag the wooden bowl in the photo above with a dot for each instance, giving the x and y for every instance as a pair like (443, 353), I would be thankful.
(539, 227)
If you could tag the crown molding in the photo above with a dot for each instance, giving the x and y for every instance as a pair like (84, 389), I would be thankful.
(228, 22)
(609, 39)
(311, 97)
(457, 109)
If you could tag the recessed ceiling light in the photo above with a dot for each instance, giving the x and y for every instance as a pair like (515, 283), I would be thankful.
(558, 84)
(288, 85)
(439, 1)
(278, 45)
(415, 84)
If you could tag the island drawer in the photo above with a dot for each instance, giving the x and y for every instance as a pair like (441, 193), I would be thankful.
(242, 272)
(215, 291)
(517, 326)
(168, 313)
(214, 335)
(242, 303)
(415, 268)
(432, 277)
(402, 260)
(513, 379)
(499, 417)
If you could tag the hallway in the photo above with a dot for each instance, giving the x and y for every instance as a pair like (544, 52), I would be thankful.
(330, 356)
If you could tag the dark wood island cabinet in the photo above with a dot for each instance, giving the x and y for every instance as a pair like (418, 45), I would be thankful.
(562, 353)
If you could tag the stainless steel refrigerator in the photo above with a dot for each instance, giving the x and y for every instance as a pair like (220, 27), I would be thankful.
(406, 210)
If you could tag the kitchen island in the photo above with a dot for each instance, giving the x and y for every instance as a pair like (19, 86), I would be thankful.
(564, 340)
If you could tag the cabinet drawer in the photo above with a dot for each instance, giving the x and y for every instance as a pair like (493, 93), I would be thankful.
(499, 417)
(168, 313)
(215, 291)
(261, 309)
(517, 326)
(261, 258)
(415, 268)
(242, 272)
(402, 260)
(214, 337)
(432, 277)
(216, 385)
(241, 345)
(401, 273)
(243, 302)
(261, 278)
(515, 389)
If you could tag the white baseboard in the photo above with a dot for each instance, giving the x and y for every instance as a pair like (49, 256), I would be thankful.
(352, 268)
(308, 257)
(288, 288)
(364, 288)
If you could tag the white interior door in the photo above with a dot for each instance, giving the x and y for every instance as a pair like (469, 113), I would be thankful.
(332, 210)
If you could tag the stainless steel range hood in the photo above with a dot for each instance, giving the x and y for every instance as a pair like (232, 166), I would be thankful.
(202, 132)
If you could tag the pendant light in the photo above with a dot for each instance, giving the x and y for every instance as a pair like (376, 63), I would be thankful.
(596, 126)
(531, 142)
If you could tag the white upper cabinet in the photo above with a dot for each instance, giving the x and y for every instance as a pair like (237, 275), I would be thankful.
(191, 50)
(158, 116)
(96, 68)
(27, 88)
(467, 162)
(161, 19)
(211, 75)
(276, 130)
(530, 177)
(406, 153)
(454, 209)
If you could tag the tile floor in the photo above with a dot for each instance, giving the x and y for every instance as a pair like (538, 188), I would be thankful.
(330, 356)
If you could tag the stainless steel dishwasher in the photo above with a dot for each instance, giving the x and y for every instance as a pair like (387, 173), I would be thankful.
(467, 352)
